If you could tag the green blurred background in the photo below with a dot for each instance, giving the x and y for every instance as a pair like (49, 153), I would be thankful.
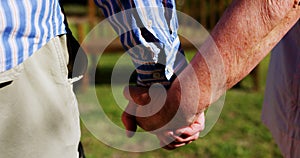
(238, 132)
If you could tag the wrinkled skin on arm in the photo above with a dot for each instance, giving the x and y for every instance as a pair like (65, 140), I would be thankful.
(246, 32)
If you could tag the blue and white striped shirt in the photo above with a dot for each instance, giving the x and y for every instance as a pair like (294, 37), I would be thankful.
(25, 26)
(148, 32)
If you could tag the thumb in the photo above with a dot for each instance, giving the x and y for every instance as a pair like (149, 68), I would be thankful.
(139, 95)
(129, 120)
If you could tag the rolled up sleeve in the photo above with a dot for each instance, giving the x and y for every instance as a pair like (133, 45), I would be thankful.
(148, 33)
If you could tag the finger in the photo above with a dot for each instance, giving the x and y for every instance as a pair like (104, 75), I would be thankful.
(193, 129)
(189, 131)
(187, 139)
(177, 145)
(172, 146)
(131, 108)
(167, 141)
(129, 121)
(167, 147)
(179, 142)
(165, 138)
(139, 95)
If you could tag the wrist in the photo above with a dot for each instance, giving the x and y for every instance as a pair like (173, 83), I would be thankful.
(150, 74)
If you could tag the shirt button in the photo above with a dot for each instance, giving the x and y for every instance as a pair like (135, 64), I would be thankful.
(149, 23)
(156, 75)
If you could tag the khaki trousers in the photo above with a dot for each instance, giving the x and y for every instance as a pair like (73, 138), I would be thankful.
(39, 115)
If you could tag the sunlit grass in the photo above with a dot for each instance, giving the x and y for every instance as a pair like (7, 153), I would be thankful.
(238, 132)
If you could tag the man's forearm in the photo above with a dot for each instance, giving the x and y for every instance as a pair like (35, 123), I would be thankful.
(245, 34)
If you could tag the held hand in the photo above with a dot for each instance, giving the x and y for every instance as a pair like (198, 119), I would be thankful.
(169, 139)
(182, 136)
(151, 113)
(140, 96)
(129, 119)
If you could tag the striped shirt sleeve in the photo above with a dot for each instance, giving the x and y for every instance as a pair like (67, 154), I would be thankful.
(148, 32)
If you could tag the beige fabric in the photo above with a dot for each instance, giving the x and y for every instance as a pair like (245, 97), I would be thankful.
(39, 116)
(281, 110)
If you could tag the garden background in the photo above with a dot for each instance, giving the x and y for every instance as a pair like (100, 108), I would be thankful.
(238, 132)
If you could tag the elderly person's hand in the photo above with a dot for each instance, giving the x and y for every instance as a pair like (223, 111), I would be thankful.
(171, 135)
(173, 139)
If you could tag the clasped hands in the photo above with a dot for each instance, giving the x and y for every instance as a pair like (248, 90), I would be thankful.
(162, 115)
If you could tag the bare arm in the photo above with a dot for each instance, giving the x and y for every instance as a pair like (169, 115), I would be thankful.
(245, 34)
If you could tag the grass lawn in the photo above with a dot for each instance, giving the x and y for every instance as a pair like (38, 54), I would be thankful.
(238, 132)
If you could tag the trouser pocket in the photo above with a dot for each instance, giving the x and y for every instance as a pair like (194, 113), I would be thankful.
(7, 77)
(4, 84)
